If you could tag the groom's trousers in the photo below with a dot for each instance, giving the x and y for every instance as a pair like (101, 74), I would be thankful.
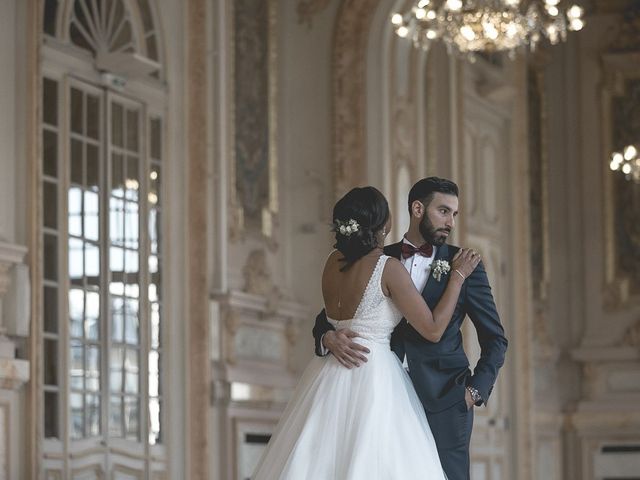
(451, 430)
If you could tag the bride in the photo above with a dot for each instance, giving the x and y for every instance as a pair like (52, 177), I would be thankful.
(365, 423)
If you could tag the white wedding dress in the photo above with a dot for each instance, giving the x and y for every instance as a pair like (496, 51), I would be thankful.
(366, 423)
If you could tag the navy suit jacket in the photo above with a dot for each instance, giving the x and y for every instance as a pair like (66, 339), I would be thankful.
(440, 371)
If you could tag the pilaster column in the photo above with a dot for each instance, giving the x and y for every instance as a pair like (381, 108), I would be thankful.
(13, 372)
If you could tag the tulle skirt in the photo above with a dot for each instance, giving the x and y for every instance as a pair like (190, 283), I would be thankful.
(366, 423)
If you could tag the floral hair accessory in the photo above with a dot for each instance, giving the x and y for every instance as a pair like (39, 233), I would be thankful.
(440, 267)
(346, 228)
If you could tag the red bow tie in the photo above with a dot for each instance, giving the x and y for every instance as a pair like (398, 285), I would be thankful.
(425, 250)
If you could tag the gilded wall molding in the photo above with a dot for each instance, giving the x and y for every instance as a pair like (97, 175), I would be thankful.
(349, 93)
(620, 96)
(253, 120)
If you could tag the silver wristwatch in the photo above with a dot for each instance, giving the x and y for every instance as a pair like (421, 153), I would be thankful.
(475, 394)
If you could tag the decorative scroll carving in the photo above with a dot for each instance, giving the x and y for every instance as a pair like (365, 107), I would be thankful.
(349, 85)
(258, 281)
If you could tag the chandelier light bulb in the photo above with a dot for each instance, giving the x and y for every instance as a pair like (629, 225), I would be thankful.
(617, 158)
(626, 168)
(453, 5)
(490, 30)
(630, 152)
(468, 33)
(576, 25)
(575, 11)
(472, 26)
(613, 165)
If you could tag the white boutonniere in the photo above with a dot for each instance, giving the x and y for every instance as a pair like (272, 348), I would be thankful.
(440, 267)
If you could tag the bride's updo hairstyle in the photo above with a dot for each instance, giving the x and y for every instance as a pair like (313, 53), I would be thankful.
(357, 218)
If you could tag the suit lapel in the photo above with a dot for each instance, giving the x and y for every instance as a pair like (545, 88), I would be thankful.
(433, 289)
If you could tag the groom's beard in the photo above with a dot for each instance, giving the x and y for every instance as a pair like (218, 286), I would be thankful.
(432, 235)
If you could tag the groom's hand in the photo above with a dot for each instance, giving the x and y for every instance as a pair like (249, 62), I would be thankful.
(468, 399)
(346, 351)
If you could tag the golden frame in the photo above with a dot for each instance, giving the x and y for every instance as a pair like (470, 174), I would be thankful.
(238, 227)
(618, 68)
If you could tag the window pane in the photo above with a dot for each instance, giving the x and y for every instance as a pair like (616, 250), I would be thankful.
(155, 327)
(131, 322)
(51, 418)
(117, 320)
(50, 204)
(92, 263)
(50, 257)
(131, 417)
(50, 362)
(117, 175)
(75, 211)
(154, 421)
(117, 125)
(49, 17)
(115, 416)
(92, 316)
(116, 221)
(156, 139)
(76, 111)
(50, 309)
(50, 101)
(76, 367)
(92, 369)
(76, 419)
(93, 166)
(76, 312)
(77, 166)
(76, 261)
(132, 130)
(91, 216)
(93, 117)
(93, 415)
(116, 369)
(50, 153)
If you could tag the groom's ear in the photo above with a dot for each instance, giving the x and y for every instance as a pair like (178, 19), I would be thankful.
(417, 209)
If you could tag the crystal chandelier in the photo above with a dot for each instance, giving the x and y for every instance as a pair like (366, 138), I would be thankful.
(627, 162)
(488, 25)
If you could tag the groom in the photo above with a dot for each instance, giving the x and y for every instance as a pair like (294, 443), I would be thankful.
(440, 371)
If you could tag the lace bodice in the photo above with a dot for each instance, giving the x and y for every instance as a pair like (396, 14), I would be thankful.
(376, 315)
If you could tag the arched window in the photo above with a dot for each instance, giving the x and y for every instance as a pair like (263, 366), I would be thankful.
(102, 402)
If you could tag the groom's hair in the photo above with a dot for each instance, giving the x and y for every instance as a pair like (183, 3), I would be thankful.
(425, 189)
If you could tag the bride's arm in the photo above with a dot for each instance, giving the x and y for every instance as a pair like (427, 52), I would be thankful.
(431, 325)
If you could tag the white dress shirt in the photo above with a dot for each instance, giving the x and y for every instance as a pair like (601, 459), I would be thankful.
(418, 266)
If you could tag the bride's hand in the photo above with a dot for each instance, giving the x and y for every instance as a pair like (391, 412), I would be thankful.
(465, 261)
